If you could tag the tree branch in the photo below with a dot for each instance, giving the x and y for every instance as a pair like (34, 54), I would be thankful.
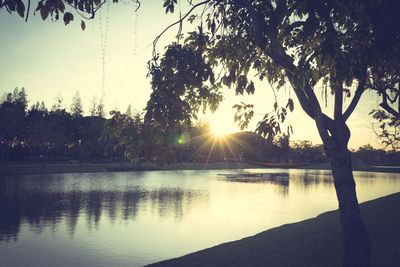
(306, 96)
(313, 100)
(338, 108)
(277, 53)
(360, 90)
(302, 97)
(27, 12)
(177, 22)
(387, 107)
(323, 123)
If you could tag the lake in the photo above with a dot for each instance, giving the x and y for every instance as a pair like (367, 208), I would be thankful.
(136, 218)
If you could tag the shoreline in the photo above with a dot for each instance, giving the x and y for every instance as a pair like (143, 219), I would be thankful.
(312, 242)
(65, 167)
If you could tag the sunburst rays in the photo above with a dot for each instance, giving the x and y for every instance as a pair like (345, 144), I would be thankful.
(212, 148)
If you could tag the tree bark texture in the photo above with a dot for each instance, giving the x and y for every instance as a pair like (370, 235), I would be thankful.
(356, 242)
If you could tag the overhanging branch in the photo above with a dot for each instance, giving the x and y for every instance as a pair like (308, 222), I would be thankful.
(306, 96)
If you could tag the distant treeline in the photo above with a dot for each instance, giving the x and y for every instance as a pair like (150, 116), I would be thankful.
(39, 134)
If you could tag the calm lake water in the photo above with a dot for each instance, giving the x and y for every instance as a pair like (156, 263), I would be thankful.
(136, 218)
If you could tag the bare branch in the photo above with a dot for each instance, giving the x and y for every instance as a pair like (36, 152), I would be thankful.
(177, 22)
(139, 4)
(27, 12)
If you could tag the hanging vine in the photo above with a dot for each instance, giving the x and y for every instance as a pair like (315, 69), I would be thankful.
(103, 45)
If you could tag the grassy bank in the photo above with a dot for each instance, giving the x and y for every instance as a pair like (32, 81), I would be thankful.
(313, 242)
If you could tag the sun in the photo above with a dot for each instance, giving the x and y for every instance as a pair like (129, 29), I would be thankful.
(221, 125)
(219, 131)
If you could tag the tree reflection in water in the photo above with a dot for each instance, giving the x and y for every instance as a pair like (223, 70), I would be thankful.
(42, 208)
(281, 179)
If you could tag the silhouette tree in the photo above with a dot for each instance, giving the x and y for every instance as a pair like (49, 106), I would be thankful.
(12, 117)
(58, 105)
(58, 132)
(92, 109)
(123, 135)
(100, 109)
(37, 135)
(97, 108)
(347, 47)
(76, 106)
(305, 151)
(132, 137)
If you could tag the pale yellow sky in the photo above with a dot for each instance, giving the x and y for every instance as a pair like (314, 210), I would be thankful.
(50, 59)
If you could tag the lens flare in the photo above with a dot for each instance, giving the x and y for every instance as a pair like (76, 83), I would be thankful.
(182, 138)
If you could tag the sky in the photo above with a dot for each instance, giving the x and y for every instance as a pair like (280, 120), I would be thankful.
(52, 60)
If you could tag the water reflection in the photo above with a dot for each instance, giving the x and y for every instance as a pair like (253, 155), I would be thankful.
(43, 208)
(132, 219)
(304, 178)
(281, 179)
(309, 179)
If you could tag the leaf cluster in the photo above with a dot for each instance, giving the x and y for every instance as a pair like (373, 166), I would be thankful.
(388, 128)
(183, 83)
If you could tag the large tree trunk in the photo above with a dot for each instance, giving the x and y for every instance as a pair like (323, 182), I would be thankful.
(357, 245)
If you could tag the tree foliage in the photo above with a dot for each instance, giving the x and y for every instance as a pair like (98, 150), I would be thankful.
(346, 46)
(183, 83)
(388, 129)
